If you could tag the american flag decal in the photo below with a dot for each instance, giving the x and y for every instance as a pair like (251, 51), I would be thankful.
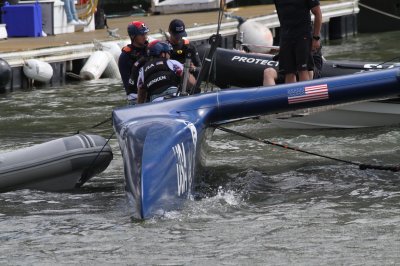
(308, 94)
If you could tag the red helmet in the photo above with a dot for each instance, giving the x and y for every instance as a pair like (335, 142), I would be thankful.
(137, 28)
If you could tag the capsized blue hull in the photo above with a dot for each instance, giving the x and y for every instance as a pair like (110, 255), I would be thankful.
(160, 141)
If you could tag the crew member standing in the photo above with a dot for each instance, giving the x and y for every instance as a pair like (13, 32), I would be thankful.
(130, 55)
(297, 37)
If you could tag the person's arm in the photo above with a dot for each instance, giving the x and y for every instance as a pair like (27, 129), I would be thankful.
(195, 58)
(177, 67)
(124, 66)
(142, 93)
(191, 81)
(317, 26)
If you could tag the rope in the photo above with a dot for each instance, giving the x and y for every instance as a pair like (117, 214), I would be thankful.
(378, 11)
(87, 174)
(364, 68)
(214, 41)
(97, 125)
(361, 166)
(398, 57)
(86, 10)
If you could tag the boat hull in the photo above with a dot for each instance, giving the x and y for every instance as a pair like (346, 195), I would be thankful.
(358, 115)
(160, 141)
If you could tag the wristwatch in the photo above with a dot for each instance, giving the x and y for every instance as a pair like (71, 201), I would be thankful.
(316, 37)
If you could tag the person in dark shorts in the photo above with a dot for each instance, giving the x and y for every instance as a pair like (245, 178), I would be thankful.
(314, 68)
(297, 38)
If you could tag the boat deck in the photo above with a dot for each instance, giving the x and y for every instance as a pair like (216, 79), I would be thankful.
(153, 22)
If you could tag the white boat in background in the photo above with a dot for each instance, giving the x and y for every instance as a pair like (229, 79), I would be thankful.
(358, 115)
(181, 6)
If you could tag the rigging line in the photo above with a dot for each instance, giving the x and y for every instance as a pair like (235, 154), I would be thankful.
(96, 125)
(360, 165)
(214, 41)
(379, 11)
(365, 68)
(86, 175)
(220, 16)
(103, 122)
(398, 57)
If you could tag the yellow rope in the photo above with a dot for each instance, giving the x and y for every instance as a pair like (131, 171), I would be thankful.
(86, 10)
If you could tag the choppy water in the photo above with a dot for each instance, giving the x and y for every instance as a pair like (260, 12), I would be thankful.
(256, 204)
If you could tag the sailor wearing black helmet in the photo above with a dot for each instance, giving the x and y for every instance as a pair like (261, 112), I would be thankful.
(130, 54)
(159, 77)
(182, 48)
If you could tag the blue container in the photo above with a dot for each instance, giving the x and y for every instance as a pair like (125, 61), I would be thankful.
(23, 20)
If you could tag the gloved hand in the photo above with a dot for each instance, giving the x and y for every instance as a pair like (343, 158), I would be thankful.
(188, 51)
(132, 98)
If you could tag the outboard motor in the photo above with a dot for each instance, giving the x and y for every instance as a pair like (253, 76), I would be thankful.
(5, 74)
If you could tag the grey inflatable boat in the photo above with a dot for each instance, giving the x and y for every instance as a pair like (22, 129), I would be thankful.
(57, 165)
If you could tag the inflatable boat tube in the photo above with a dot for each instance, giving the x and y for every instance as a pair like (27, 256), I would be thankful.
(5, 74)
(112, 70)
(95, 66)
(233, 68)
(58, 165)
(112, 48)
(38, 70)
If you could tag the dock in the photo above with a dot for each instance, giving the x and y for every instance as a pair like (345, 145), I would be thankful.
(339, 20)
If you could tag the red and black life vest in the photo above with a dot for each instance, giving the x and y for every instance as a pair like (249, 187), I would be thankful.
(135, 53)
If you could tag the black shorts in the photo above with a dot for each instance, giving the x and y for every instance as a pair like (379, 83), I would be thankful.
(281, 78)
(294, 54)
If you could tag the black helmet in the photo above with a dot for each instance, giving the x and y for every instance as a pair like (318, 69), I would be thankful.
(137, 28)
(156, 48)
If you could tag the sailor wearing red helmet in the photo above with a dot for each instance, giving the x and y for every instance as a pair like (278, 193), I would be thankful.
(130, 54)
(159, 78)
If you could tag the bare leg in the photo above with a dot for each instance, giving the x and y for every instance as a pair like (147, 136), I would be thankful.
(303, 75)
(290, 78)
(270, 75)
(311, 74)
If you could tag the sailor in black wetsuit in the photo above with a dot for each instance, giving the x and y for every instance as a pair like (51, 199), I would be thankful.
(182, 48)
(159, 78)
(130, 55)
(297, 39)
